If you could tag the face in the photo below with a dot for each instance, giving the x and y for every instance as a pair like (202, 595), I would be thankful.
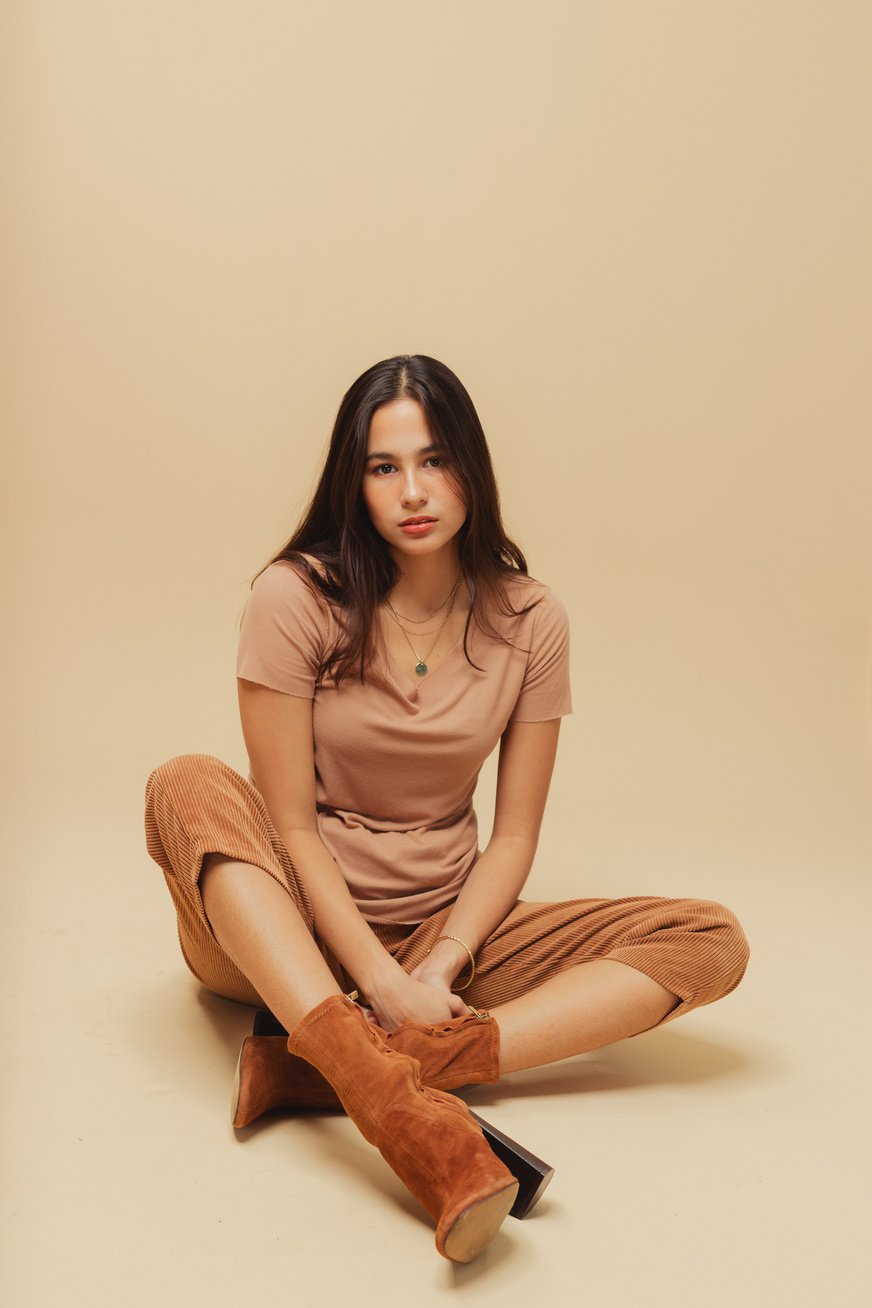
(411, 499)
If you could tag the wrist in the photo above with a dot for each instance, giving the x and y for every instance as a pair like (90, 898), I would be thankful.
(450, 959)
(379, 974)
(433, 970)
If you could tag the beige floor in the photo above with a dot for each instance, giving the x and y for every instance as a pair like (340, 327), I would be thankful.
(723, 1159)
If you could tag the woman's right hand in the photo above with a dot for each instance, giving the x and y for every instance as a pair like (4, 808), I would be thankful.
(400, 998)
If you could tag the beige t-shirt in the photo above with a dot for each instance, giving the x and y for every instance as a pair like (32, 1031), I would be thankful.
(397, 762)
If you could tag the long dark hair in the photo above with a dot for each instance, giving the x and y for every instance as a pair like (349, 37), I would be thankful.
(356, 570)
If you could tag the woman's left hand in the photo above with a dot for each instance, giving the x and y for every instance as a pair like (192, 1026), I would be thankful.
(413, 998)
(457, 1007)
(432, 976)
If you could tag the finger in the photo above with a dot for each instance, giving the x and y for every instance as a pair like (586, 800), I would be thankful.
(458, 1007)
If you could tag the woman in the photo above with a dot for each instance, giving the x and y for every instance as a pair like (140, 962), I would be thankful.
(384, 652)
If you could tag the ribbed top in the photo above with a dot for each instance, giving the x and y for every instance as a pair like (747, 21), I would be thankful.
(397, 762)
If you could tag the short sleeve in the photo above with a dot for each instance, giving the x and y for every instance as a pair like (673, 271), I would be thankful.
(545, 691)
(284, 633)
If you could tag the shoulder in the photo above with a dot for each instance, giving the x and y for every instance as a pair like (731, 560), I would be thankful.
(538, 607)
(284, 599)
(284, 631)
(285, 583)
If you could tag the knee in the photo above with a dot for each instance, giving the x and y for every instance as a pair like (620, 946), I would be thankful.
(181, 774)
(183, 794)
(726, 945)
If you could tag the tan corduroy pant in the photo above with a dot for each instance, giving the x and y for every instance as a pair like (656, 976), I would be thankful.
(197, 805)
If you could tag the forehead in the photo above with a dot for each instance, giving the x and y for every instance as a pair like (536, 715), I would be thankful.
(398, 426)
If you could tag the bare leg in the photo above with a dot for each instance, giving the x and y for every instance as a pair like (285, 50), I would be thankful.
(258, 926)
(583, 1008)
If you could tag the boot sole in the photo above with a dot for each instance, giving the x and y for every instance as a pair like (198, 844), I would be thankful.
(474, 1229)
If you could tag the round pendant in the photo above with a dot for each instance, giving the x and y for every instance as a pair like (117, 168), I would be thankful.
(421, 669)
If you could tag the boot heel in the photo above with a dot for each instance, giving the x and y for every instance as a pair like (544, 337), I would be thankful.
(532, 1174)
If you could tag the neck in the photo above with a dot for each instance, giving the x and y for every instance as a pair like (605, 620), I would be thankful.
(424, 582)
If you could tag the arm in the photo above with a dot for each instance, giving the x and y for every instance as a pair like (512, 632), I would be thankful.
(527, 753)
(277, 729)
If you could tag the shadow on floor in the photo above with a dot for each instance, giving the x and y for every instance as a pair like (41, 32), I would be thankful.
(171, 1021)
(654, 1058)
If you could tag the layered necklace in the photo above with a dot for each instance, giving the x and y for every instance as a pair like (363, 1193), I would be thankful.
(421, 667)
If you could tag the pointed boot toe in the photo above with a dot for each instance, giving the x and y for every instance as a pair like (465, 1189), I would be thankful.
(269, 1077)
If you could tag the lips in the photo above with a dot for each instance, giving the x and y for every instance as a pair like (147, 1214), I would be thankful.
(415, 522)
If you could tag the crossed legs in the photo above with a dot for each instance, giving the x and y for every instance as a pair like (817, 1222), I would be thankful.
(584, 1007)
(246, 929)
(559, 978)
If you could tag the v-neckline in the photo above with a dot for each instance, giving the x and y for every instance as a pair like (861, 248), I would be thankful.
(396, 672)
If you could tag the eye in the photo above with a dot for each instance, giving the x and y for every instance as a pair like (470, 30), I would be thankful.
(381, 469)
(436, 460)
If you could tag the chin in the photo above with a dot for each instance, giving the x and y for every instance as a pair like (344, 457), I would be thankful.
(425, 545)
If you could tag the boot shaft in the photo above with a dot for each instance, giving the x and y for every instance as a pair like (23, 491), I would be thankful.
(429, 1138)
(462, 1051)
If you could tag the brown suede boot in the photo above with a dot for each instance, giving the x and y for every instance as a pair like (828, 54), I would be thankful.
(427, 1137)
(461, 1051)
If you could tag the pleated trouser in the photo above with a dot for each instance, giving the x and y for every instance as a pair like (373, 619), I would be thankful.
(198, 805)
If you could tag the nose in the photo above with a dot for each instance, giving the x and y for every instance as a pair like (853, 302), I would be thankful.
(414, 492)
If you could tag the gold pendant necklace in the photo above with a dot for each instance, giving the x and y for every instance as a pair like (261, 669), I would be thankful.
(421, 668)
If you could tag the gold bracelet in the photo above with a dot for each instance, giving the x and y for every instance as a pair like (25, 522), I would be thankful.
(458, 941)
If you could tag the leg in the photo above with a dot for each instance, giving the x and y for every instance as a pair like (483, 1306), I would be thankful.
(432, 1144)
(252, 925)
(245, 922)
(584, 1008)
(565, 978)
(198, 811)
(257, 924)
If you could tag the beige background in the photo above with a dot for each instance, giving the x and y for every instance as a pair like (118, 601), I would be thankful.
(639, 232)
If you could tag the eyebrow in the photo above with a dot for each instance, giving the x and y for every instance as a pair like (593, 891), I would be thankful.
(383, 456)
